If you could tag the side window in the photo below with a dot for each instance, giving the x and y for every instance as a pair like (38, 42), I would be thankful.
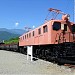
(25, 36)
(33, 33)
(29, 35)
(56, 26)
(21, 38)
(45, 28)
(39, 31)
(73, 28)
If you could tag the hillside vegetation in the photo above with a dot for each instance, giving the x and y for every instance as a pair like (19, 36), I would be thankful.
(12, 40)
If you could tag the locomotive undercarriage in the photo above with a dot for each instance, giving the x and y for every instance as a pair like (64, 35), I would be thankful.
(63, 53)
(23, 50)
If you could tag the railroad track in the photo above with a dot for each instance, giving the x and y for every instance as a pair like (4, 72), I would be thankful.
(70, 66)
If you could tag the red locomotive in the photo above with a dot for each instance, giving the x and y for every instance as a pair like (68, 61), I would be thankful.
(54, 40)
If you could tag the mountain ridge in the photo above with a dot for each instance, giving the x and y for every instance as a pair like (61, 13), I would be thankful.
(6, 34)
(15, 31)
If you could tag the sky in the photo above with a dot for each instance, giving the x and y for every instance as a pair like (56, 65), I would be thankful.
(18, 14)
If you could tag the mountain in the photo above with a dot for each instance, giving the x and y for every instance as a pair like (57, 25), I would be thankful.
(15, 31)
(6, 34)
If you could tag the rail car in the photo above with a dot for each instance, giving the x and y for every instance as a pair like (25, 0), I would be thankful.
(13, 47)
(54, 40)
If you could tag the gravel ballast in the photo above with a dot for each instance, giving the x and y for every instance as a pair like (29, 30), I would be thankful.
(17, 64)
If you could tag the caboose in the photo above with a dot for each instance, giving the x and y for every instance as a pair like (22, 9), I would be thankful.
(52, 41)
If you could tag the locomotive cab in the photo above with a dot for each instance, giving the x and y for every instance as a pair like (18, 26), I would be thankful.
(62, 31)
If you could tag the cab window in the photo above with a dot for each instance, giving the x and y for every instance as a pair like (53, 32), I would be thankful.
(73, 28)
(65, 27)
(56, 26)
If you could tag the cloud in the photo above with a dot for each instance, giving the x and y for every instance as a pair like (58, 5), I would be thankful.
(16, 24)
(33, 27)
